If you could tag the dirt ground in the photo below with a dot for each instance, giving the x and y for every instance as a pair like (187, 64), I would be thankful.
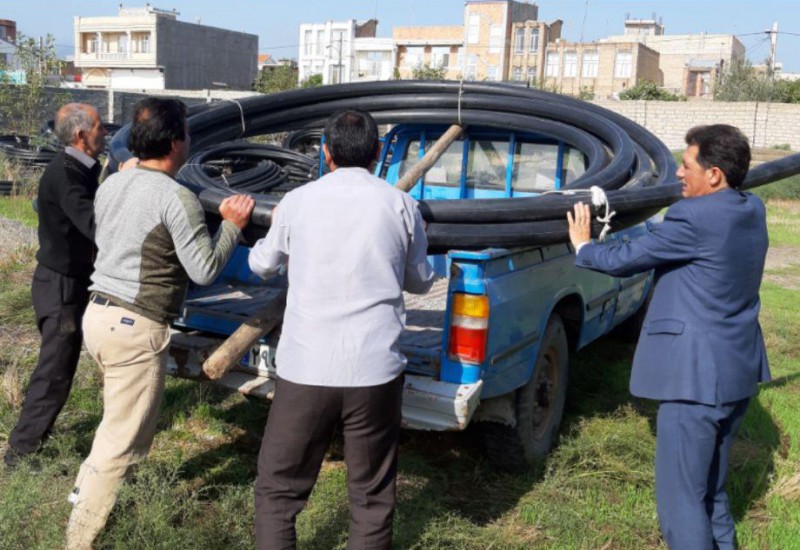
(783, 266)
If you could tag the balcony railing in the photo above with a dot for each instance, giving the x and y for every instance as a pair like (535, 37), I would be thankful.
(97, 57)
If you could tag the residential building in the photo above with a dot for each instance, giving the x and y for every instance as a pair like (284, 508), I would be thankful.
(689, 63)
(499, 40)
(374, 59)
(488, 27)
(344, 51)
(149, 48)
(267, 62)
(602, 69)
(530, 40)
(8, 39)
(435, 47)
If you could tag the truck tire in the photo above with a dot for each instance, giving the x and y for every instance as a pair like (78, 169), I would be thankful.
(539, 406)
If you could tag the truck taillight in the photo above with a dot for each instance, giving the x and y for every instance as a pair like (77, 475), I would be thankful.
(468, 327)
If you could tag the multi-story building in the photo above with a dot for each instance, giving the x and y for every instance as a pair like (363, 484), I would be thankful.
(600, 69)
(148, 48)
(344, 51)
(530, 40)
(374, 59)
(499, 40)
(689, 63)
(435, 47)
(488, 27)
(8, 38)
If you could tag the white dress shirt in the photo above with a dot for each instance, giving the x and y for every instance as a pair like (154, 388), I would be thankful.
(353, 243)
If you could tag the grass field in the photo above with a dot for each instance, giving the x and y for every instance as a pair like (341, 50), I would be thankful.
(594, 492)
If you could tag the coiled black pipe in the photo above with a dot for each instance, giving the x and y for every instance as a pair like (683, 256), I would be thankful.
(305, 141)
(25, 150)
(633, 166)
(249, 168)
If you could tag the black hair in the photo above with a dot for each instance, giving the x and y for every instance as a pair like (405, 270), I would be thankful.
(723, 146)
(157, 122)
(352, 138)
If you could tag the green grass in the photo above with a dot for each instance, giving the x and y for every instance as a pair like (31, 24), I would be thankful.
(595, 491)
(18, 208)
(784, 222)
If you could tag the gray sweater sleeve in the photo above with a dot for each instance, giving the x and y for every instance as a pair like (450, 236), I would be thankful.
(202, 256)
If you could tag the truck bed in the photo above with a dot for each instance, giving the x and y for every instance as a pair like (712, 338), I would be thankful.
(220, 309)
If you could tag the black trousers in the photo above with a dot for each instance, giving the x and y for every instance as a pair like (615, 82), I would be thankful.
(59, 302)
(301, 422)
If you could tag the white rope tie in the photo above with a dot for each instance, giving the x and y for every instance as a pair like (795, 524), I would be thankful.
(599, 199)
(241, 114)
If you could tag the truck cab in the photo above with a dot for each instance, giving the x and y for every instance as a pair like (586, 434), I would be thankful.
(491, 341)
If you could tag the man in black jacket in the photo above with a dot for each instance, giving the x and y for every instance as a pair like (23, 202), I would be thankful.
(61, 279)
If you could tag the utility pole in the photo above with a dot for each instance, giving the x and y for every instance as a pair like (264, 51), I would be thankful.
(41, 57)
(341, 35)
(773, 38)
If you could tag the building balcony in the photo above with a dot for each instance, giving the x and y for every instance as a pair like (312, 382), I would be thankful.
(117, 59)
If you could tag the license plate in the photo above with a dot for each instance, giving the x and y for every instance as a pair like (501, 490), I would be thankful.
(260, 357)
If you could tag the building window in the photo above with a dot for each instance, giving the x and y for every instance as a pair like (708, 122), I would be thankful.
(320, 42)
(591, 60)
(519, 40)
(493, 73)
(623, 65)
(473, 28)
(472, 67)
(307, 42)
(570, 65)
(534, 40)
(440, 57)
(337, 41)
(518, 76)
(532, 76)
(90, 44)
(495, 39)
(414, 55)
(551, 65)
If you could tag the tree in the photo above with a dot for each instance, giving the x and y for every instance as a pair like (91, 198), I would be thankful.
(426, 72)
(787, 91)
(23, 107)
(278, 79)
(741, 82)
(312, 81)
(648, 90)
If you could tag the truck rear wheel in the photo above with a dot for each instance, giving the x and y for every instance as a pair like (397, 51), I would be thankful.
(539, 406)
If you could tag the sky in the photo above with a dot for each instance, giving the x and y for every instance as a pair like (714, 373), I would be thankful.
(276, 22)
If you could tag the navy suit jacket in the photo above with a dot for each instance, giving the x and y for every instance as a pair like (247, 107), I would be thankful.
(701, 340)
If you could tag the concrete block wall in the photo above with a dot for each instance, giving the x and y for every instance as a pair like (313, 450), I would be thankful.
(764, 124)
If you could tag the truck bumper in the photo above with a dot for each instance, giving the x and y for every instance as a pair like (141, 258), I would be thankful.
(427, 404)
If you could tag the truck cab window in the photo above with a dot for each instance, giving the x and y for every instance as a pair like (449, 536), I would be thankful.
(487, 164)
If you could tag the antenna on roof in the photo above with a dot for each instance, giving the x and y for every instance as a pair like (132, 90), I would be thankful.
(583, 23)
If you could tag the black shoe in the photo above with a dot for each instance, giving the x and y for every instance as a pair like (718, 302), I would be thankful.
(13, 459)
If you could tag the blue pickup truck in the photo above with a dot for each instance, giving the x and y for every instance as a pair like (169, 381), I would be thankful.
(490, 342)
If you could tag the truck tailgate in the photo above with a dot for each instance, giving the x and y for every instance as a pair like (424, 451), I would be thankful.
(421, 342)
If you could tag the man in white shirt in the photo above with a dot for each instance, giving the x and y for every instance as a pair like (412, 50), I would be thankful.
(355, 244)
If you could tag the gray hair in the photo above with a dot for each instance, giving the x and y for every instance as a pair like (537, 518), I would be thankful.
(71, 119)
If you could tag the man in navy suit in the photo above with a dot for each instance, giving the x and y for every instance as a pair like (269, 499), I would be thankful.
(700, 352)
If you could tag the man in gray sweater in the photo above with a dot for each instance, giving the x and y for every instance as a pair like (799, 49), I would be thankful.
(151, 238)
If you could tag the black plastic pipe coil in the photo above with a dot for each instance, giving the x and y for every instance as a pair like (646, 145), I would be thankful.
(26, 151)
(245, 167)
(634, 167)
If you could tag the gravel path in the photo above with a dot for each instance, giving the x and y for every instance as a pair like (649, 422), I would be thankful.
(14, 235)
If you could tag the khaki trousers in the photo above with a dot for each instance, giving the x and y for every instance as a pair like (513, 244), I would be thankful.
(131, 350)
